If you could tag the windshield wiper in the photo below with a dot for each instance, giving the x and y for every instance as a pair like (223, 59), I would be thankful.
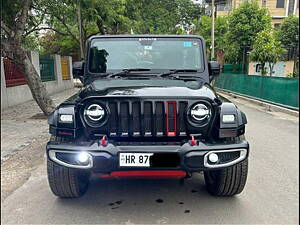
(125, 72)
(172, 73)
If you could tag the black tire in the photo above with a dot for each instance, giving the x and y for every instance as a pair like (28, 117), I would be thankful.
(229, 181)
(66, 182)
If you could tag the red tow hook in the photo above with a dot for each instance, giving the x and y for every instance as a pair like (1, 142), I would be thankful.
(193, 142)
(104, 141)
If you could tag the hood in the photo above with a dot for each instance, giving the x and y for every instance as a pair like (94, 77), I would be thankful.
(147, 88)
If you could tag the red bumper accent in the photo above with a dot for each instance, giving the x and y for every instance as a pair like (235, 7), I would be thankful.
(147, 174)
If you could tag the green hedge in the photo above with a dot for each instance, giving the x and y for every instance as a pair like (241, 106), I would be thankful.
(279, 90)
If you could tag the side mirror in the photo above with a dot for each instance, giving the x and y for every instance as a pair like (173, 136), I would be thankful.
(213, 69)
(78, 68)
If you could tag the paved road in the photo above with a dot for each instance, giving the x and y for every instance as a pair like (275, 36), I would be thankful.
(23, 123)
(271, 194)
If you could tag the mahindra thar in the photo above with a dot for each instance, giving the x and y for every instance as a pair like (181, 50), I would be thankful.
(146, 109)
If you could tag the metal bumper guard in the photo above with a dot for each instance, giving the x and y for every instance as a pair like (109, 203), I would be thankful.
(105, 159)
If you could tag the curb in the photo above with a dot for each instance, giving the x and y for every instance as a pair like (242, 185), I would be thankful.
(269, 107)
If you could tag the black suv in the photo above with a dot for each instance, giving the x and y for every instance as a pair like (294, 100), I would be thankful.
(147, 109)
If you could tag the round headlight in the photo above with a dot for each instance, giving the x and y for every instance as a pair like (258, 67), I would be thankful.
(200, 112)
(94, 112)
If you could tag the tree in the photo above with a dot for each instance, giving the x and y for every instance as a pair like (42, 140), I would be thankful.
(113, 17)
(61, 17)
(203, 28)
(161, 16)
(17, 23)
(288, 33)
(266, 49)
(244, 23)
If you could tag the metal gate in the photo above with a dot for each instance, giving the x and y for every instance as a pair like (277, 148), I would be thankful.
(47, 68)
(65, 69)
(13, 75)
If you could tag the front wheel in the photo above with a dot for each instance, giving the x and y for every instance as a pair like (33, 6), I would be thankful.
(227, 182)
(67, 182)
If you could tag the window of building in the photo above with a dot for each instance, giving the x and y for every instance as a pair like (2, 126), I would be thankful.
(224, 7)
(277, 25)
(280, 4)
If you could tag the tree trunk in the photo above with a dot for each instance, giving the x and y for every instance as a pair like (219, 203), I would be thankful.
(80, 30)
(100, 26)
(37, 88)
(271, 66)
(263, 71)
(11, 43)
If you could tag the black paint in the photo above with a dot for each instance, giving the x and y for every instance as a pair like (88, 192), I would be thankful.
(159, 200)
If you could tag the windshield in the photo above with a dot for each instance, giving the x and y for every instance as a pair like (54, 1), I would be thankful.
(113, 54)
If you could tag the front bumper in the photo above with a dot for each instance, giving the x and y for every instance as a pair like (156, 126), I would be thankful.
(188, 158)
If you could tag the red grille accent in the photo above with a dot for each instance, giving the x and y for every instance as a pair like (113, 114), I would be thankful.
(171, 133)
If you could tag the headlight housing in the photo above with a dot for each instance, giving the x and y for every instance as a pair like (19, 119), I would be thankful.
(95, 115)
(199, 114)
(94, 112)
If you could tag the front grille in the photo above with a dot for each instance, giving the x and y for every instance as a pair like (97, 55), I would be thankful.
(147, 118)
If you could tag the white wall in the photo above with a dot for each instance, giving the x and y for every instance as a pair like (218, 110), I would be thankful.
(280, 69)
(3, 87)
(11, 96)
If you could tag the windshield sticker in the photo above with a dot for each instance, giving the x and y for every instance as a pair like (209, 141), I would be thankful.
(187, 44)
(147, 39)
(148, 47)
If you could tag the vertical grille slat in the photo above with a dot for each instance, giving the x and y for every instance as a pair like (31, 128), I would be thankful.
(119, 118)
(130, 120)
(153, 118)
(113, 122)
(124, 116)
(181, 131)
(136, 117)
(147, 118)
(142, 119)
(160, 115)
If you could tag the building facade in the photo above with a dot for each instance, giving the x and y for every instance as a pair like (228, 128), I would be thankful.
(279, 9)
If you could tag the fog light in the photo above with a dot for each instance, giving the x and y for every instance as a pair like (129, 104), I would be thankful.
(213, 157)
(228, 119)
(66, 118)
(83, 157)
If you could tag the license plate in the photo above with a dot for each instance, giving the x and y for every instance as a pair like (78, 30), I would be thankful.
(135, 159)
